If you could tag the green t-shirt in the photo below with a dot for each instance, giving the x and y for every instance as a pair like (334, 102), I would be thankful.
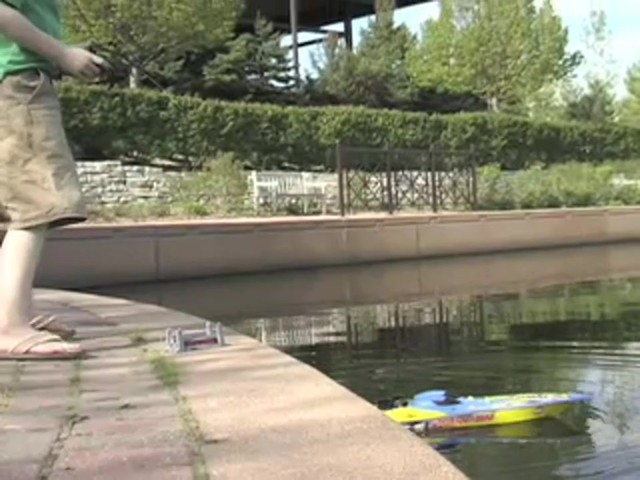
(43, 14)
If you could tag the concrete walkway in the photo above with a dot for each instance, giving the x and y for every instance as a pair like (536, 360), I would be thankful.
(131, 411)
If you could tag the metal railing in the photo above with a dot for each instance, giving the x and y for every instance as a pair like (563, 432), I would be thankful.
(395, 180)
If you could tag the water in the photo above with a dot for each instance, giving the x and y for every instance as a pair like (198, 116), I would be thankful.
(482, 325)
(559, 339)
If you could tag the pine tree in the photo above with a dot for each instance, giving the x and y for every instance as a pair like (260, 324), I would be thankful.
(375, 73)
(254, 66)
(596, 103)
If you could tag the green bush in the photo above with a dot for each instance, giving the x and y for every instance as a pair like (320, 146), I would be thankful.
(219, 189)
(133, 211)
(559, 186)
(119, 122)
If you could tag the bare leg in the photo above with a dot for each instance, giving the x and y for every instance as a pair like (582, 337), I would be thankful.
(21, 251)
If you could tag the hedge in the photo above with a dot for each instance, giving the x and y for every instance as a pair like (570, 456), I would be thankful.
(119, 122)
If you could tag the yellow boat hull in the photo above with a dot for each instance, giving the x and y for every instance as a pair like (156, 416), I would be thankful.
(442, 421)
(503, 417)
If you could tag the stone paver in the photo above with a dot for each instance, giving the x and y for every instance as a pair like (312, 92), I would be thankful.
(18, 470)
(259, 413)
(130, 424)
(34, 419)
(268, 416)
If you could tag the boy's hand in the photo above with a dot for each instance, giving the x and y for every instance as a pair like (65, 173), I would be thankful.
(82, 63)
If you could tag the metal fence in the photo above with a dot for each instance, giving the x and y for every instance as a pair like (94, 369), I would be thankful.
(404, 180)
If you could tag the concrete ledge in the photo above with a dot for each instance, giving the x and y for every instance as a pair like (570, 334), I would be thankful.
(296, 292)
(263, 414)
(103, 255)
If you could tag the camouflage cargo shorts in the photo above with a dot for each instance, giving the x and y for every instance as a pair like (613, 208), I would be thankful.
(39, 184)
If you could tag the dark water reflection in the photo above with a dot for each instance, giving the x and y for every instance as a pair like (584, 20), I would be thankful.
(541, 329)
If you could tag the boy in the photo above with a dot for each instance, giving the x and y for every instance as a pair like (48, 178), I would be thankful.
(39, 187)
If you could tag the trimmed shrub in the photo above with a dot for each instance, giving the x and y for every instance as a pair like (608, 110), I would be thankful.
(559, 186)
(120, 122)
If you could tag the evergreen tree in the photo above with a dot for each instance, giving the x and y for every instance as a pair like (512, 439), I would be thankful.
(185, 74)
(375, 73)
(595, 103)
(254, 66)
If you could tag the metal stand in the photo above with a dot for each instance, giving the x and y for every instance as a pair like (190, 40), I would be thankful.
(179, 340)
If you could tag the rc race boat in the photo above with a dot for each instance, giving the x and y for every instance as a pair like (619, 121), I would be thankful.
(439, 410)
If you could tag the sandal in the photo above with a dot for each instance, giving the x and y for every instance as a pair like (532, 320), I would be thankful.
(49, 323)
(22, 349)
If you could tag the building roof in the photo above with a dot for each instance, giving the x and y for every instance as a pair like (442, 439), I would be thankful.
(314, 14)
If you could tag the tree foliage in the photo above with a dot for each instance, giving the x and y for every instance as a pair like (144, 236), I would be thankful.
(595, 103)
(503, 51)
(253, 65)
(375, 74)
(588, 93)
(630, 109)
(138, 33)
(509, 56)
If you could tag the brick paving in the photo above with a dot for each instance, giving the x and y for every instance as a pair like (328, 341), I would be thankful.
(105, 417)
(33, 417)
(235, 413)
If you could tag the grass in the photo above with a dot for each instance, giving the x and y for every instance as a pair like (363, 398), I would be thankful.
(165, 369)
(75, 390)
(169, 374)
(7, 392)
(65, 430)
(137, 338)
(76, 378)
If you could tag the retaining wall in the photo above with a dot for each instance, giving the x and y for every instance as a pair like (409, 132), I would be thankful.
(103, 255)
(109, 182)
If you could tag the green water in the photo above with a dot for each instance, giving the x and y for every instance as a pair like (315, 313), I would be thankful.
(569, 337)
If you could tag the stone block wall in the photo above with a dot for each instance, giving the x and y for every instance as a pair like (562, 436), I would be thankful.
(110, 182)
